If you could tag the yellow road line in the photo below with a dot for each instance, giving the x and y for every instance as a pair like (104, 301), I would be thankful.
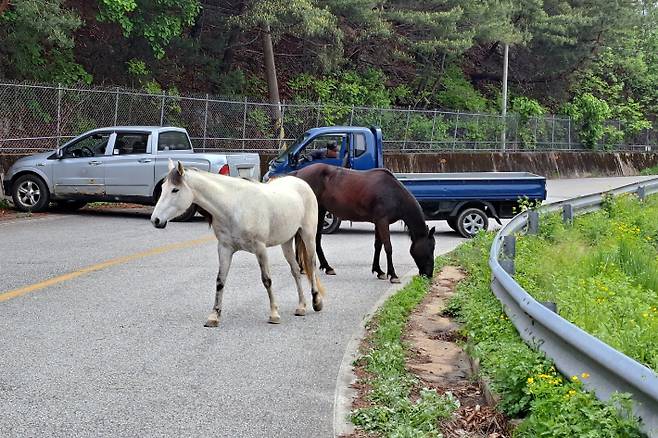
(97, 267)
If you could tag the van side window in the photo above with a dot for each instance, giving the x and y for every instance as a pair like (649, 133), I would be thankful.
(359, 145)
(173, 141)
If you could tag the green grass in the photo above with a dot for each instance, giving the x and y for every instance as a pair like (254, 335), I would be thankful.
(649, 171)
(602, 272)
(4, 204)
(527, 382)
(394, 412)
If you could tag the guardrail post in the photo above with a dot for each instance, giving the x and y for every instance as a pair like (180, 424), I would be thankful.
(641, 193)
(567, 213)
(509, 252)
(533, 222)
(550, 306)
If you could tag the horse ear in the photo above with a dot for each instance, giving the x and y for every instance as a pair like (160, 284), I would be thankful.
(179, 167)
(171, 165)
(431, 233)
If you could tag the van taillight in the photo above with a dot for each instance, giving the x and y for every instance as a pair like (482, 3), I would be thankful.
(224, 170)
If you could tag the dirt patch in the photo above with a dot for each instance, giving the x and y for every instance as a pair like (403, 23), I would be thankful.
(7, 214)
(439, 361)
(436, 358)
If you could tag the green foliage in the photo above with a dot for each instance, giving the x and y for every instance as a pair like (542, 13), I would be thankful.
(591, 112)
(457, 93)
(156, 21)
(527, 109)
(338, 92)
(38, 42)
(650, 171)
(393, 412)
(527, 382)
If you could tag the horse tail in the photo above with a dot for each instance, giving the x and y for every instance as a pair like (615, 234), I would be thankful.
(307, 264)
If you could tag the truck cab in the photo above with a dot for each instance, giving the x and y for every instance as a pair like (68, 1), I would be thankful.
(357, 148)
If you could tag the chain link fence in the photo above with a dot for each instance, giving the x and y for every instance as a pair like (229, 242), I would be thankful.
(37, 118)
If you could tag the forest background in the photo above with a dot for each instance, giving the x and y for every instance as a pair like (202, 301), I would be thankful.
(591, 60)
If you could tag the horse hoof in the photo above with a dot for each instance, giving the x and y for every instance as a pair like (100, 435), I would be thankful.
(395, 280)
(274, 319)
(330, 271)
(211, 323)
(381, 276)
(300, 312)
(317, 305)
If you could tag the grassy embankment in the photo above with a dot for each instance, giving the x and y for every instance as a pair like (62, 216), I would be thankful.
(602, 273)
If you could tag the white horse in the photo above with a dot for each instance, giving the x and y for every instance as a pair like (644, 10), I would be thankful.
(250, 216)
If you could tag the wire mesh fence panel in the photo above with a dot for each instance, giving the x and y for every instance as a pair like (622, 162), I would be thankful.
(298, 119)
(83, 110)
(139, 110)
(28, 119)
(225, 125)
(187, 112)
(35, 118)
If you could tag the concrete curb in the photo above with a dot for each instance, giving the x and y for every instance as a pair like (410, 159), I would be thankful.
(344, 393)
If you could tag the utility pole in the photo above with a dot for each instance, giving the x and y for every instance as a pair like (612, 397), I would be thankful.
(272, 82)
(504, 112)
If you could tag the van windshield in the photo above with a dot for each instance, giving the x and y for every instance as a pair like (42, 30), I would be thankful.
(282, 155)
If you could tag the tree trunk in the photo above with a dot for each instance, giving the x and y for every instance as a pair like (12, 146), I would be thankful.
(272, 82)
(4, 5)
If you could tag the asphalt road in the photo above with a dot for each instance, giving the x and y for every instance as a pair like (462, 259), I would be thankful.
(115, 344)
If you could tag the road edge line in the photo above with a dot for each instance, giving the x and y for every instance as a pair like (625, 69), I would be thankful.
(344, 393)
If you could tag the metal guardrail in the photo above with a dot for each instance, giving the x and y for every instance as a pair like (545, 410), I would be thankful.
(573, 350)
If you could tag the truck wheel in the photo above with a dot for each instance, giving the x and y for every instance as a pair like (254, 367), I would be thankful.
(30, 193)
(187, 215)
(471, 221)
(331, 223)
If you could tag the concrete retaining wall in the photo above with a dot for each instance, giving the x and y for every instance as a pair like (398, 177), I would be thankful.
(549, 164)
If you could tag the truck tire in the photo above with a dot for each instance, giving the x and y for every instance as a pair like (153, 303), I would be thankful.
(472, 220)
(30, 193)
(331, 223)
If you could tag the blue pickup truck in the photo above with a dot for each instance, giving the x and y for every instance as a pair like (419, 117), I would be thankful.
(465, 200)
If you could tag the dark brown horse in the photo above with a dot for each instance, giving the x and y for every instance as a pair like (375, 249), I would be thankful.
(371, 196)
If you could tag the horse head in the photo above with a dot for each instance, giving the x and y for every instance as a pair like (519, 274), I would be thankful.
(422, 251)
(176, 196)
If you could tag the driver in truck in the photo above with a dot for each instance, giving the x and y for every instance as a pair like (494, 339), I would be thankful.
(331, 151)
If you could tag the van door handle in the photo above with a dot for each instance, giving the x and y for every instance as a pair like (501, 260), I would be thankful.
(145, 160)
(95, 163)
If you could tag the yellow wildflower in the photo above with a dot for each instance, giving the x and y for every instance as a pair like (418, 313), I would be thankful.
(530, 380)
(574, 378)
(584, 375)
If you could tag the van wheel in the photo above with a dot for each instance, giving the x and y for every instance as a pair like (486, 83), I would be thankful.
(30, 193)
(471, 221)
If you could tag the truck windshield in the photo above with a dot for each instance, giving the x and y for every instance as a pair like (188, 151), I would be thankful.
(282, 155)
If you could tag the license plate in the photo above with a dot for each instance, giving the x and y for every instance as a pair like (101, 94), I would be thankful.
(245, 173)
